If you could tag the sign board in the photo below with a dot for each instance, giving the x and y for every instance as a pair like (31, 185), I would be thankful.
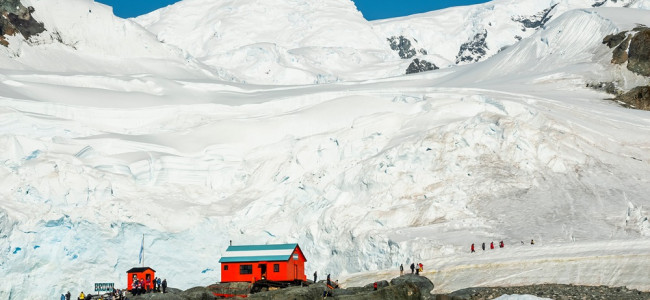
(104, 287)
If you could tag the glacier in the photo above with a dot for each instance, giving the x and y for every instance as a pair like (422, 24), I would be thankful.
(126, 128)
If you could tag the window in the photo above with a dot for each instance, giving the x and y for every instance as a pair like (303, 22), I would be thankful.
(225, 267)
(276, 268)
(246, 269)
(295, 256)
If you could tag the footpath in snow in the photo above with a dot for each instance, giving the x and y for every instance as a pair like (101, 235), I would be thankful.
(611, 263)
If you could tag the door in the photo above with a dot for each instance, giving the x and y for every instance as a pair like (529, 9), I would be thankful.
(263, 271)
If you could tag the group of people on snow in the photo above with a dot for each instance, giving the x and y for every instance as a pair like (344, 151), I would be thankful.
(501, 245)
(415, 268)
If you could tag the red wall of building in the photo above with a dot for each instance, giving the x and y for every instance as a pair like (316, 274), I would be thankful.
(293, 269)
(140, 276)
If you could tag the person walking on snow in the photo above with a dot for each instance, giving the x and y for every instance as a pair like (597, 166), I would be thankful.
(401, 269)
(421, 266)
(472, 248)
(315, 276)
(412, 268)
(483, 246)
(491, 245)
(501, 244)
(164, 285)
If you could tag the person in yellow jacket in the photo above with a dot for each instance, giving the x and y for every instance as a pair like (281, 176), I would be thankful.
(82, 296)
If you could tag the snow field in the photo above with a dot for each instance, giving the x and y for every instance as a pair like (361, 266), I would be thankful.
(363, 175)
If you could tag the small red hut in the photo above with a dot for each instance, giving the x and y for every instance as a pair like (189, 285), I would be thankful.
(279, 262)
(145, 273)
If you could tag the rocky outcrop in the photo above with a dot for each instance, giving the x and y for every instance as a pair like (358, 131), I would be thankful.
(473, 50)
(552, 291)
(598, 3)
(195, 293)
(404, 47)
(638, 97)
(620, 56)
(639, 53)
(411, 287)
(633, 48)
(17, 18)
(407, 287)
(420, 65)
(613, 40)
(406, 50)
(535, 21)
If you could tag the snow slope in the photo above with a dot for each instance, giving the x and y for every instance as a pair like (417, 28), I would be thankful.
(364, 175)
(275, 41)
(84, 37)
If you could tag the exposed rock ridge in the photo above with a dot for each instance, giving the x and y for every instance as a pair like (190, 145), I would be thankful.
(632, 48)
(418, 66)
(552, 291)
(17, 18)
(537, 20)
(406, 50)
(474, 49)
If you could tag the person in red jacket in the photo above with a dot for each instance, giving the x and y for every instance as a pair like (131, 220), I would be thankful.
(501, 245)
(491, 245)
(472, 248)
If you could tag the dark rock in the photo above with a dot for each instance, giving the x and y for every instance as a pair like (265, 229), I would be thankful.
(420, 65)
(404, 287)
(535, 21)
(423, 283)
(620, 55)
(473, 50)
(597, 3)
(404, 47)
(639, 53)
(553, 291)
(380, 284)
(407, 291)
(313, 291)
(608, 87)
(17, 18)
(613, 40)
(195, 293)
(638, 97)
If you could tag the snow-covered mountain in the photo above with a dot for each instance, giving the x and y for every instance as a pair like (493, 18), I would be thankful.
(164, 137)
(275, 41)
(463, 35)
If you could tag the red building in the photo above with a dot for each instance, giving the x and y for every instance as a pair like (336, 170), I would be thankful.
(282, 262)
(146, 274)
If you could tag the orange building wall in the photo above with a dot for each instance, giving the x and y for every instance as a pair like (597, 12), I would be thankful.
(140, 276)
(288, 270)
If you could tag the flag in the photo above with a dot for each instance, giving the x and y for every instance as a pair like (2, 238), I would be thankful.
(141, 250)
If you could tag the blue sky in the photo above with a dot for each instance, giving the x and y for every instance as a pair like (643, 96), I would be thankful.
(371, 9)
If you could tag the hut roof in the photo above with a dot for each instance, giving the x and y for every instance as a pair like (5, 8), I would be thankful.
(139, 269)
(250, 253)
